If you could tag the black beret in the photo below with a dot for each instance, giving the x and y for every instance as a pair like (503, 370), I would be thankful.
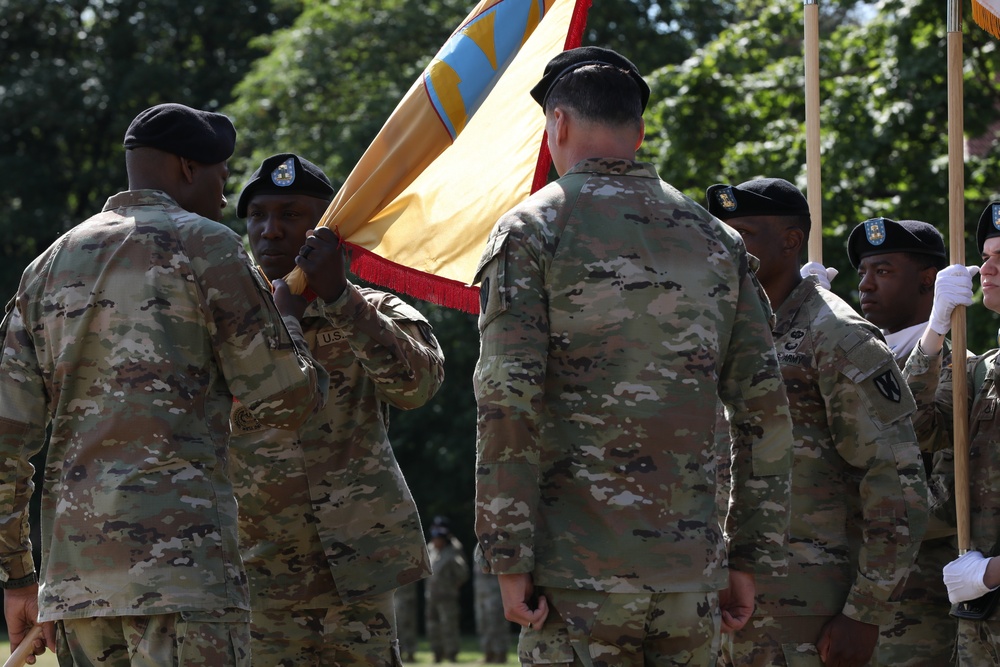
(989, 224)
(880, 236)
(567, 61)
(760, 196)
(285, 173)
(191, 133)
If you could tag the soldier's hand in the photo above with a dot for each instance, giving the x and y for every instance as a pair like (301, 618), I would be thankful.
(20, 606)
(288, 304)
(736, 602)
(952, 288)
(824, 274)
(844, 642)
(519, 603)
(321, 259)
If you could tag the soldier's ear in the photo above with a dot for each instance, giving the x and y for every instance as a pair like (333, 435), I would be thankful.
(792, 240)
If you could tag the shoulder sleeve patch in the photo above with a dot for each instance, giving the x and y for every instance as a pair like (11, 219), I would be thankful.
(494, 296)
(870, 365)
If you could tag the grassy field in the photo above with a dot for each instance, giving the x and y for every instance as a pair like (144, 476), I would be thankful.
(469, 655)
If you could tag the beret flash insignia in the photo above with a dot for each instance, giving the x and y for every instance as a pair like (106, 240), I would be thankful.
(875, 231)
(726, 198)
(284, 174)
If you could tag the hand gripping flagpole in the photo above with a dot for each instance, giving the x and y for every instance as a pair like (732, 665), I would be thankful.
(25, 648)
(813, 174)
(956, 242)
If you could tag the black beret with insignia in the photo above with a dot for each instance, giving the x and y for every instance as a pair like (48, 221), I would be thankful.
(989, 224)
(567, 61)
(880, 236)
(760, 196)
(285, 173)
(198, 135)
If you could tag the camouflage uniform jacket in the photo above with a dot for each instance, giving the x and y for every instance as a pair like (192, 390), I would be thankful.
(128, 338)
(615, 314)
(933, 393)
(451, 570)
(859, 506)
(325, 514)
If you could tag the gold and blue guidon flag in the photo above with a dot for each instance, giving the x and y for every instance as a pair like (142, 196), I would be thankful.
(462, 147)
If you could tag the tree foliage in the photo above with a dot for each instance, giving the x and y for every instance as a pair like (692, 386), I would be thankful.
(75, 73)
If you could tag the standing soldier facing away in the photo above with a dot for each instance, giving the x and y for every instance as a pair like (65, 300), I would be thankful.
(129, 338)
(616, 315)
(328, 527)
(858, 503)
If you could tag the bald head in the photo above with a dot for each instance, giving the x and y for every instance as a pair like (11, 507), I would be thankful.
(195, 186)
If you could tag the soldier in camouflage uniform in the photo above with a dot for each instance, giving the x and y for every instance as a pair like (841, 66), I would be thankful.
(491, 626)
(897, 263)
(971, 578)
(858, 505)
(129, 338)
(328, 527)
(616, 315)
(441, 591)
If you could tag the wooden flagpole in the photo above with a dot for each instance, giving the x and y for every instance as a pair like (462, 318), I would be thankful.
(813, 174)
(956, 242)
(25, 648)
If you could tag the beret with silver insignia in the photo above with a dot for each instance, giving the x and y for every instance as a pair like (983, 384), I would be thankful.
(285, 173)
(989, 224)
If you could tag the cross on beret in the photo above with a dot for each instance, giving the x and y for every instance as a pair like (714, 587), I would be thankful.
(194, 134)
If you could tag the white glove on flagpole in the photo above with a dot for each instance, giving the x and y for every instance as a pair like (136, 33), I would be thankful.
(964, 577)
(952, 288)
(825, 275)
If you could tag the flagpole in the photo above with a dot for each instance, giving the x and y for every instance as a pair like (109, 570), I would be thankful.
(813, 174)
(956, 242)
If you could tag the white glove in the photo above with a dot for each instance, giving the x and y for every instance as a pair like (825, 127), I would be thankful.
(952, 287)
(964, 577)
(825, 275)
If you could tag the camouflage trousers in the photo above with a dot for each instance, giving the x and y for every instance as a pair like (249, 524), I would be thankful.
(210, 638)
(441, 617)
(978, 643)
(922, 634)
(594, 629)
(774, 641)
(361, 633)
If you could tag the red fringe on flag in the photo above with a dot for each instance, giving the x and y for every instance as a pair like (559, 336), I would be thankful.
(986, 19)
(399, 278)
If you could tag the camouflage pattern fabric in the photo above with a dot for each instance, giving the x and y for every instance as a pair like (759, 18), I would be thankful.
(129, 338)
(209, 639)
(441, 597)
(858, 503)
(325, 514)
(976, 643)
(359, 634)
(405, 605)
(616, 312)
(492, 627)
(594, 629)
(922, 632)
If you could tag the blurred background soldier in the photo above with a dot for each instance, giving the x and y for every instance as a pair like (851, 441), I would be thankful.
(328, 528)
(858, 502)
(441, 591)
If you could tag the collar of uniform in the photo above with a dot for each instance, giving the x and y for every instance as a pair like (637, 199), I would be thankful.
(787, 312)
(139, 198)
(616, 166)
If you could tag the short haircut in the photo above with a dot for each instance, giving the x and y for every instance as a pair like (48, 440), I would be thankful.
(599, 93)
